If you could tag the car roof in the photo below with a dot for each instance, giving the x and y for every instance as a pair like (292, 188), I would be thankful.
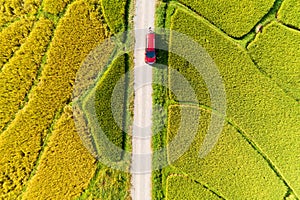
(150, 41)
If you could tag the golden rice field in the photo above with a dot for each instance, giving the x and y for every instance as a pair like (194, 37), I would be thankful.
(42, 46)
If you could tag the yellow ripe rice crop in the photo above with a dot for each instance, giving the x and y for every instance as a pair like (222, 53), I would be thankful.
(66, 166)
(18, 75)
(13, 9)
(12, 37)
(55, 6)
(21, 143)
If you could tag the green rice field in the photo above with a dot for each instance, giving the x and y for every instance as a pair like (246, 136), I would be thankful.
(256, 156)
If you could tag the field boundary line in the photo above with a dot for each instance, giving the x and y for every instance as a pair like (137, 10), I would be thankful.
(14, 53)
(270, 78)
(7, 24)
(273, 167)
(269, 17)
(44, 143)
(204, 185)
(247, 38)
(236, 42)
(196, 14)
(45, 14)
(289, 26)
(245, 136)
(39, 71)
(26, 96)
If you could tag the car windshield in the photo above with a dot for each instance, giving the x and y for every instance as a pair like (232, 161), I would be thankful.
(150, 54)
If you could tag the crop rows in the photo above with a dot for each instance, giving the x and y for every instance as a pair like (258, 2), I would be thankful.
(21, 142)
(289, 13)
(13, 9)
(281, 66)
(55, 6)
(255, 104)
(231, 168)
(30, 165)
(12, 38)
(65, 167)
(236, 18)
(19, 73)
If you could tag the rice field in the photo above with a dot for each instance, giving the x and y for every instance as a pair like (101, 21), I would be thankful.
(236, 18)
(42, 46)
(289, 13)
(260, 75)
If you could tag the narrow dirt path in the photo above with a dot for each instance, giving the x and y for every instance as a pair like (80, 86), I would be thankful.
(141, 140)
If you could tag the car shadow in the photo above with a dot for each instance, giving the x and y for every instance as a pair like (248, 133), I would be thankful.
(162, 53)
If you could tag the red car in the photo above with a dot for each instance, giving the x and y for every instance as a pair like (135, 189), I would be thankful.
(150, 54)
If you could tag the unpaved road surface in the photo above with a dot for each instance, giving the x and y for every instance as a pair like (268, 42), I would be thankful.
(141, 140)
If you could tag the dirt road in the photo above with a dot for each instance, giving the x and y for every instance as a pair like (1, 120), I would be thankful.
(141, 141)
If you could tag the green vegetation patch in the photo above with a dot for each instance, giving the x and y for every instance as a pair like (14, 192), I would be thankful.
(255, 104)
(12, 37)
(20, 72)
(13, 9)
(111, 85)
(21, 143)
(55, 6)
(65, 167)
(236, 18)
(114, 13)
(181, 187)
(109, 184)
(289, 13)
(103, 100)
(276, 51)
(233, 169)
